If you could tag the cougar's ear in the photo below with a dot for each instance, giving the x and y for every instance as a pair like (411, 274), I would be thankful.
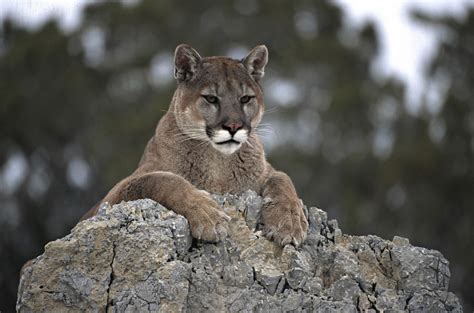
(186, 62)
(255, 62)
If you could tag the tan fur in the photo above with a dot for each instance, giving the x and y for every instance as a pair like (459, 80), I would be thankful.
(180, 161)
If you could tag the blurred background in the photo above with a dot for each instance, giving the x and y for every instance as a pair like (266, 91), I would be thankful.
(381, 95)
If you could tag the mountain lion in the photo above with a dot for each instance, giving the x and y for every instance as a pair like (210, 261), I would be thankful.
(206, 142)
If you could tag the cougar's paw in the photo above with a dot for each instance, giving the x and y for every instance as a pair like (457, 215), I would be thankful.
(285, 222)
(206, 220)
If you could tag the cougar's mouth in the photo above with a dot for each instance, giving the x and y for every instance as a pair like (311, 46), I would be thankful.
(230, 141)
(225, 142)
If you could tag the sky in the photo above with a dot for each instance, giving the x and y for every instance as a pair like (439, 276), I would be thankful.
(406, 46)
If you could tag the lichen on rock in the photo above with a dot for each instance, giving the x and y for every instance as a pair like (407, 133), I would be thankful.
(139, 256)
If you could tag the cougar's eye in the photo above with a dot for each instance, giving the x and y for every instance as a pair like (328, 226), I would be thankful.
(245, 99)
(210, 98)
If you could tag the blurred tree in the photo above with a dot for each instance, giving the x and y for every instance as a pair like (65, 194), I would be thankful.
(46, 97)
(433, 158)
(77, 110)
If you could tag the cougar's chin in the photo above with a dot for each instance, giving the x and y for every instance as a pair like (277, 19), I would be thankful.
(227, 147)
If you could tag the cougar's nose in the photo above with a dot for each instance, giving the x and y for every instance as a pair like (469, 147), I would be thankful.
(232, 128)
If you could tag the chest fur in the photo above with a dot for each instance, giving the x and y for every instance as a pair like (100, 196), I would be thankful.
(221, 174)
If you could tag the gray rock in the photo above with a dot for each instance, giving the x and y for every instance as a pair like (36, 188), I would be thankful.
(139, 257)
(400, 241)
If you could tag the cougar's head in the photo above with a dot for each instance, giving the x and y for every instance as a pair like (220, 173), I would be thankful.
(218, 99)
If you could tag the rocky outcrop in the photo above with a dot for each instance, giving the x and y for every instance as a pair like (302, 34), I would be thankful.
(138, 256)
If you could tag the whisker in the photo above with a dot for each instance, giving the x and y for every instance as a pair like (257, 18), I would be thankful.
(267, 135)
(263, 135)
(264, 128)
(248, 142)
(193, 126)
(273, 110)
(268, 131)
(204, 143)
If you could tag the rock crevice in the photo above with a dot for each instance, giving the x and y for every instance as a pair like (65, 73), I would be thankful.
(139, 256)
(111, 277)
